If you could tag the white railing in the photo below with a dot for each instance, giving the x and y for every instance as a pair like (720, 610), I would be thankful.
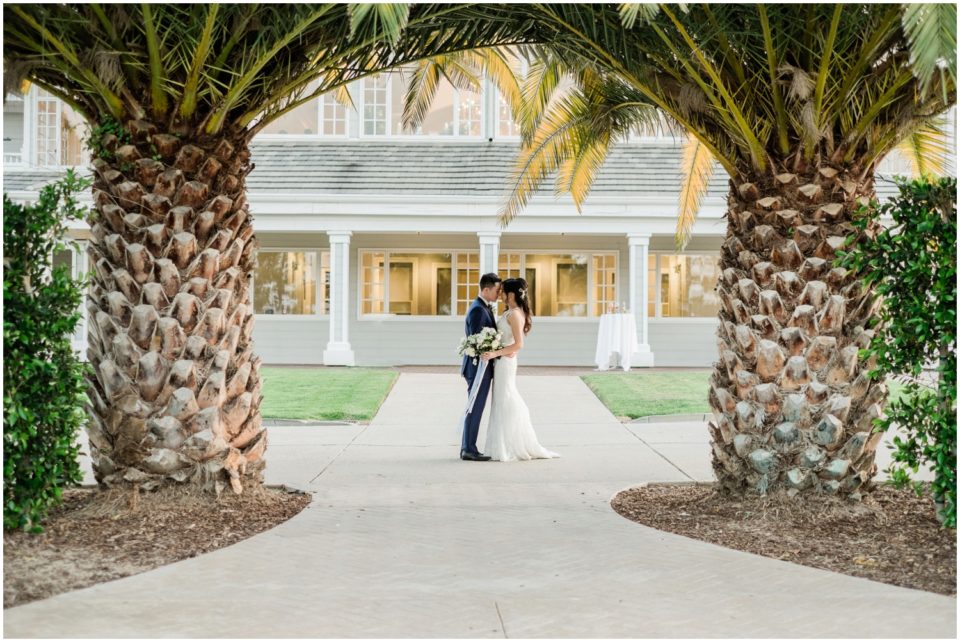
(12, 159)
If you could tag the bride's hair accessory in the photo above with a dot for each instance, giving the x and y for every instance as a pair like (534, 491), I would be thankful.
(523, 293)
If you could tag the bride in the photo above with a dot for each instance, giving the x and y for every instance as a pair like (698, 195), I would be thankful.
(510, 435)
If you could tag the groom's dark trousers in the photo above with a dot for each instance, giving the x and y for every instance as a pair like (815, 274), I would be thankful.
(479, 317)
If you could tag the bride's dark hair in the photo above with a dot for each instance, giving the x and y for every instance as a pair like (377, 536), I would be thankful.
(519, 289)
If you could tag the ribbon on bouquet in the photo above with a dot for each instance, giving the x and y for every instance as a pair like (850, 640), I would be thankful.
(474, 391)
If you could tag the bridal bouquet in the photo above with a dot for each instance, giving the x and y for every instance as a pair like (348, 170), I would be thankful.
(487, 340)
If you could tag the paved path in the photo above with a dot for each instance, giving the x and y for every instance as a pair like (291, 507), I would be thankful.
(404, 540)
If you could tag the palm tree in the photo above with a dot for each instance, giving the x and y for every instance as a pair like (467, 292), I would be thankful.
(798, 103)
(174, 93)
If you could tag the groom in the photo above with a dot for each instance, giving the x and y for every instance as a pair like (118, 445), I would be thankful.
(480, 315)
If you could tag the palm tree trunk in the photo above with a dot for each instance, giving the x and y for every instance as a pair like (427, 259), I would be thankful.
(175, 394)
(793, 406)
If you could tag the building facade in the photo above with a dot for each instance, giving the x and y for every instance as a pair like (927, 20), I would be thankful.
(373, 238)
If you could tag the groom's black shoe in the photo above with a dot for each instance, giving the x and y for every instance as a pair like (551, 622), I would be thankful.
(465, 456)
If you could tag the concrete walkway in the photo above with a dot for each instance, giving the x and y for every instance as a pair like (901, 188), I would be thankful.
(404, 540)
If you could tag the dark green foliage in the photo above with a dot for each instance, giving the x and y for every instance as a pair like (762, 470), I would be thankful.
(913, 265)
(43, 380)
(100, 132)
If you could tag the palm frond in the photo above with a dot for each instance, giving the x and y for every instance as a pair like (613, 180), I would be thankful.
(932, 32)
(630, 12)
(927, 149)
(552, 144)
(387, 19)
(538, 88)
(578, 172)
(697, 168)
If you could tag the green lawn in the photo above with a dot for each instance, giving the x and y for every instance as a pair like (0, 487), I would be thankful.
(641, 394)
(324, 393)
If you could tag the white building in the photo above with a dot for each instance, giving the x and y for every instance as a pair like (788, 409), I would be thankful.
(373, 239)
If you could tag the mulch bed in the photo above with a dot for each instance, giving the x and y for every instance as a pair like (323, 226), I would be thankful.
(95, 536)
(891, 536)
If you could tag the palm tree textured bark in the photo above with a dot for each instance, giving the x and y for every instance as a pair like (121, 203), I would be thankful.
(793, 405)
(176, 388)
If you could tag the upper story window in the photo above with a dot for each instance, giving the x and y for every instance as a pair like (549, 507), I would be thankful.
(60, 132)
(324, 116)
(453, 112)
(378, 102)
(40, 130)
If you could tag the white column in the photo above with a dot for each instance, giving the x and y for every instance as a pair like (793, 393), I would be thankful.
(489, 251)
(640, 296)
(339, 352)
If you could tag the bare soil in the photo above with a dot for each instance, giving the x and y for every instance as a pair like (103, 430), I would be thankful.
(891, 536)
(96, 536)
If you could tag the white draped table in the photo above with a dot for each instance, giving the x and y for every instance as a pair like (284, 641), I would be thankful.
(617, 336)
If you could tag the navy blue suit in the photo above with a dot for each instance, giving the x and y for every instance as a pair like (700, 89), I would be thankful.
(479, 317)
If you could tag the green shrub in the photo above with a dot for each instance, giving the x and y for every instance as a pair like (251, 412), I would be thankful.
(913, 265)
(43, 380)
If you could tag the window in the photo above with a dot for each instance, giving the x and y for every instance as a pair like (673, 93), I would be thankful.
(505, 123)
(77, 264)
(453, 112)
(559, 285)
(300, 120)
(469, 103)
(59, 132)
(468, 280)
(418, 283)
(323, 116)
(333, 117)
(48, 129)
(509, 266)
(604, 283)
(686, 284)
(287, 282)
(373, 283)
(375, 91)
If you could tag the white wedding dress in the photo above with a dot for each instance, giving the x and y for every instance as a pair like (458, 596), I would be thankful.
(510, 435)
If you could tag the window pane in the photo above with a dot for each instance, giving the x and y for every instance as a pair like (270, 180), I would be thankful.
(418, 283)
(688, 284)
(469, 113)
(372, 282)
(604, 283)
(505, 123)
(558, 283)
(333, 117)
(285, 283)
(509, 266)
(468, 280)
